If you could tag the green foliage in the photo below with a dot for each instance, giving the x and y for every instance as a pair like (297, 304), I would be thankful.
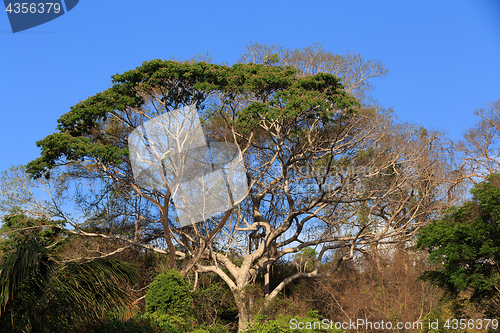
(169, 303)
(30, 261)
(18, 228)
(169, 323)
(92, 288)
(305, 258)
(41, 294)
(307, 252)
(269, 327)
(313, 313)
(172, 307)
(88, 132)
(156, 323)
(169, 294)
(447, 310)
(213, 302)
(467, 243)
(24, 275)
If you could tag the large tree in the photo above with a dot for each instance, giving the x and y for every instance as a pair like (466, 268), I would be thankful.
(322, 171)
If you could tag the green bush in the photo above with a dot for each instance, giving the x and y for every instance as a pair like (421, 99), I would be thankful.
(169, 303)
(169, 294)
(170, 323)
(214, 302)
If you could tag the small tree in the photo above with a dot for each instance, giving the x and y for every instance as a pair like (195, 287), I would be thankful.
(169, 302)
(466, 242)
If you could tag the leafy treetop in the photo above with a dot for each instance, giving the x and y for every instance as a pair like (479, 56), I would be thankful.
(276, 93)
(467, 243)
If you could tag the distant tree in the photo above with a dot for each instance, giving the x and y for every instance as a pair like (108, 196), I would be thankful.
(305, 259)
(21, 194)
(481, 146)
(466, 243)
(351, 68)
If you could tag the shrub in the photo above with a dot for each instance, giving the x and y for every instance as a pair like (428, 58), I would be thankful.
(169, 323)
(169, 294)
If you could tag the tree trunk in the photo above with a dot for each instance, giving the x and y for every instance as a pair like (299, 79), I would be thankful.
(243, 314)
(166, 230)
(267, 279)
(168, 239)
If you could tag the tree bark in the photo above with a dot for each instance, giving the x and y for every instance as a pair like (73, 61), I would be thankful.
(267, 279)
(166, 230)
(243, 314)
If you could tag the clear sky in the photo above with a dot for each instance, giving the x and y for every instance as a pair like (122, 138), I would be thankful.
(443, 56)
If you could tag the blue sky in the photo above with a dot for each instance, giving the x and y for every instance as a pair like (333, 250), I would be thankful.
(443, 56)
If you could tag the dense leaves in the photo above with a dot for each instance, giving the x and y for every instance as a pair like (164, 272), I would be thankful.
(41, 293)
(467, 244)
(169, 294)
(80, 134)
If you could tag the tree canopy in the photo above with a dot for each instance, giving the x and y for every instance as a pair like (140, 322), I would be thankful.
(467, 244)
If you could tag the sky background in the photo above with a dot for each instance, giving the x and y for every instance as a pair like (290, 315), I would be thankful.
(443, 56)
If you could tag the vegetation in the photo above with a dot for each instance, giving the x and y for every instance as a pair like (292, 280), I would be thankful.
(42, 293)
(339, 194)
(467, 243)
